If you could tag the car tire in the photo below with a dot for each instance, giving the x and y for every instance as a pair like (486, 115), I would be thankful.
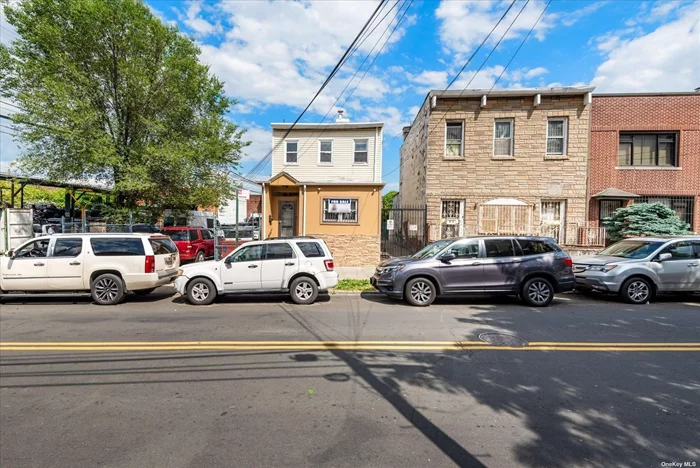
(107, 289)
(537, 292)
(201, 291)
(303, 290)
(200, 257)
(420, 292)
(144, 292)
(636, 291)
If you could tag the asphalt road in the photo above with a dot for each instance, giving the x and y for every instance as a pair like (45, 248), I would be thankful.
(247, 382)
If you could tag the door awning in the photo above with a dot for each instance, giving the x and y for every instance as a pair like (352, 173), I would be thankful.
(614, 193)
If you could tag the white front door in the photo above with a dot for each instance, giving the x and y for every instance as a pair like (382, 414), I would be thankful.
(65, 265)
(241, 270)
(278, 265)
(26, 271)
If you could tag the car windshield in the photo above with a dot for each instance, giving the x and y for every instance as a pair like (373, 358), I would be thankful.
(431, 249)
(632, 249)
(179, 235)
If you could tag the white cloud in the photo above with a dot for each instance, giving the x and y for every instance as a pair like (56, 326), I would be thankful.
(260, 61)
(429, 79)
(261, 142)
(394, 120)
(572, 17)
(537, 71)
(463, 25)
(194, 20)
(413, 111)
(666, 59)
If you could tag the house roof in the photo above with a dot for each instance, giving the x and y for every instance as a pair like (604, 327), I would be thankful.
(319, 182)
(558, 91)
(328, 125)
(612, 192)
(663, 93)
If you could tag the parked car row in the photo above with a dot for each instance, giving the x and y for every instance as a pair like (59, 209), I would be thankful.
(533, 268)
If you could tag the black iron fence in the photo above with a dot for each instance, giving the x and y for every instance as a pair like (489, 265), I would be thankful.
(404, 230)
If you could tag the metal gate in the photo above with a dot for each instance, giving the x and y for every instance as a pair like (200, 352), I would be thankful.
(404, 230)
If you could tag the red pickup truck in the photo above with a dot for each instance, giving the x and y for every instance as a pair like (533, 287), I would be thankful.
(193, 243)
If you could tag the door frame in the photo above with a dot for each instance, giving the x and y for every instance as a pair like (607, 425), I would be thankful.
(294, 218)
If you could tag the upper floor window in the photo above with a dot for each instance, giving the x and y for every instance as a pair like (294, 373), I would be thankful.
(647, 149)
(325, 152)
(556, 136)
(503, 138)
(361, 151)
(291, 152)
(454, 137)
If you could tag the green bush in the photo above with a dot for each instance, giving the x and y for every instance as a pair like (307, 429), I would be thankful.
(644, 219)
(353, 285)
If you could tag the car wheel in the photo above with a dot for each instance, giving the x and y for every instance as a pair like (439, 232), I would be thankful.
(201, 291)
(107, 289)
(200, 257)
(303, 290)
(144, 292)
(420, 292)
(537, 292)
(636, 291)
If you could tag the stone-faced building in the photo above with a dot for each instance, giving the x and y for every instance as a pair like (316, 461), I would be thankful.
(512, 161)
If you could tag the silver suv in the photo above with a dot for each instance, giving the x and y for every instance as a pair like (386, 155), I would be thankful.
(637, 268)
(535, 268)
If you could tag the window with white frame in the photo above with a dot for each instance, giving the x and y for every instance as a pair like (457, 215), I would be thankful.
(340, 210)
(454, 138)
(556, 136)
(291, 152)
(361, 151)
(325, 152)
(503, 137)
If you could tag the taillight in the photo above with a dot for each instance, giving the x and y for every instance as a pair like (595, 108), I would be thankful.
(329, 264)
(569, 262)
(150, 264)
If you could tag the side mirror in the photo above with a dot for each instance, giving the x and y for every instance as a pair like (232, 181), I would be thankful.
(10, 253)
(664, 256)
(448, 257)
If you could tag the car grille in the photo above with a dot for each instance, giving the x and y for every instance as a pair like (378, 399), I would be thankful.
(578, 268)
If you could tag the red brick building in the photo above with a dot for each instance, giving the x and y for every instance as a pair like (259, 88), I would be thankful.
(645, 148)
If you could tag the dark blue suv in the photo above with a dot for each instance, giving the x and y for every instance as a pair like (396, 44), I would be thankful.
(535, 268)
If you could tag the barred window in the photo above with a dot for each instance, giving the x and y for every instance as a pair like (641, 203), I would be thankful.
(340, 210)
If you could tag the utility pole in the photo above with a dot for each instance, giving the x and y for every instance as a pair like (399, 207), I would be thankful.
(238, 187)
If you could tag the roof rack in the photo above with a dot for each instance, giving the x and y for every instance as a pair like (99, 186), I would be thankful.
(290, 238)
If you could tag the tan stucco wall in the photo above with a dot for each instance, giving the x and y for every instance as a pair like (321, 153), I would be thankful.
(368, 203)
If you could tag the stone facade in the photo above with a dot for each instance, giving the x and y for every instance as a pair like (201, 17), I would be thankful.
(412, 157)
(353, 250)
(529, 175)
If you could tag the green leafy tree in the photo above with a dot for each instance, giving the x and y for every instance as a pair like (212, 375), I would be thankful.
(111, 94)
(36, 194)
(387, 201)
(644, 219)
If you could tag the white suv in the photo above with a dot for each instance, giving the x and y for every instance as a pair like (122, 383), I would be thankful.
(301, 266)
(107, 265)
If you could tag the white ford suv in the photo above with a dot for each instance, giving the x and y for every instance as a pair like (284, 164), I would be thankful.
(106, 265)
(300, 266)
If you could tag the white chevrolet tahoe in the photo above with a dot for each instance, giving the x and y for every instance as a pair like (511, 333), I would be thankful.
(106, 265)
(300, 266)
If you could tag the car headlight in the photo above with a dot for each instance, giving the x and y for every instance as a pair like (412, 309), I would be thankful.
(180, 272)
(603, 268)
(392, 268)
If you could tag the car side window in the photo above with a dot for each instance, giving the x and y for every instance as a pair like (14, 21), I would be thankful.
(311, 249)
(278, 251)
(194, 236)
(499, 248)
(249, 253)
(466, 249)
(696, 246)
(33, 249)
(680, 251)
(206, 234)
(67, 248)
(534, 247)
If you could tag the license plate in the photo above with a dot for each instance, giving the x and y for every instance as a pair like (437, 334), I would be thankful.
(169, 261)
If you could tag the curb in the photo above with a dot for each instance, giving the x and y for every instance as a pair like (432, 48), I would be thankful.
(354, 293)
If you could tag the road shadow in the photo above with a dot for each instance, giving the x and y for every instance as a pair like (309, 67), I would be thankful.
(159, 294)
(662, 298)
(254, 299)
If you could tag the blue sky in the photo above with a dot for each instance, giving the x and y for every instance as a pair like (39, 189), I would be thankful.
(273, 56)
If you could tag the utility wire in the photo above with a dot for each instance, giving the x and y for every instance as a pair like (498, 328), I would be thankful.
(325, 83)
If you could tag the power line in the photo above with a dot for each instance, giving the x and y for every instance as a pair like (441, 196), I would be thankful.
(11, 105)
(325, 83)
(403, 14)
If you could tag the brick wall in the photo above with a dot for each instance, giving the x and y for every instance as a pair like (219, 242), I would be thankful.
(254, 204)
(612, 114)
(412, 156)
(529, 175)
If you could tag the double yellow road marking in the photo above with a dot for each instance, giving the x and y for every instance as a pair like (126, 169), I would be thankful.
(340, 345)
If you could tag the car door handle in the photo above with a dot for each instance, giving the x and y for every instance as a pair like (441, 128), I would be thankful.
(692, 265)
(39, 264)
(476, 264)
(74, 263)
(252, 266)
(289, 263)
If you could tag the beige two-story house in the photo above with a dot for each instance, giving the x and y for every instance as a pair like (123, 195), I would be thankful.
(511, 161)
(326, 182)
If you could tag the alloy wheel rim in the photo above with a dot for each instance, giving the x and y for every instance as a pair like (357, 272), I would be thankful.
(200, 257)
(107, 290)
(538, 292)
(200, 292)
(421, 292)
(303, 291)
(638, 291)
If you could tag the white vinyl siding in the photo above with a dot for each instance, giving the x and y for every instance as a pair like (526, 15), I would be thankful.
(309, 168)
(556, 136)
